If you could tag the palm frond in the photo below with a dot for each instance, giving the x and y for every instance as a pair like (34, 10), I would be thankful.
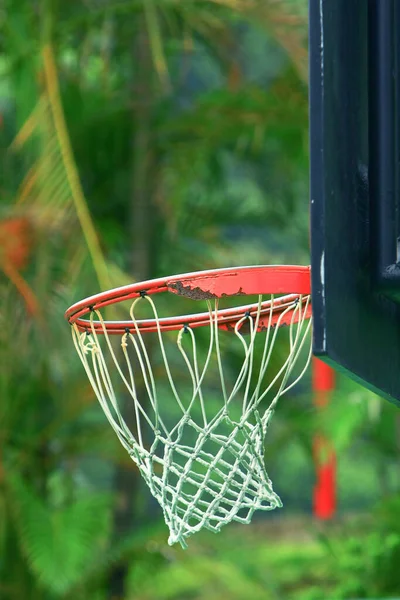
(285, 20)
(156, 41)
(59, 543)
(51, 191)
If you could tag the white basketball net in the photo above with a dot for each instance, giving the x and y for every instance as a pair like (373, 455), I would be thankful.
(204, 462)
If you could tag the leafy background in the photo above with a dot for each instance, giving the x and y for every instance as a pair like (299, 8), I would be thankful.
(138, 138)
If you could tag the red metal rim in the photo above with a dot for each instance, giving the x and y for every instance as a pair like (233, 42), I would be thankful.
(227, 319)
(216, 283)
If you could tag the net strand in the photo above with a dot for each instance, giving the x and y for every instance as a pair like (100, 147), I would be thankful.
(205, 461)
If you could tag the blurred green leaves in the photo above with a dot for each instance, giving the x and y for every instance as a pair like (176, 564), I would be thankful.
(200, 577)
(60, 543)
(363, 557)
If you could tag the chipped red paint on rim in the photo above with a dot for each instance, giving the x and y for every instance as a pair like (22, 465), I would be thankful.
(293, 281)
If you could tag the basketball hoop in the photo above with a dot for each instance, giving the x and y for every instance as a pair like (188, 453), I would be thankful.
(199, 445)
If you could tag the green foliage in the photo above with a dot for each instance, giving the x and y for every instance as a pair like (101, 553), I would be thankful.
(293, 560)
(344, 417)
(60, 542)
(199, 577)
(246, 562)
(365, 558)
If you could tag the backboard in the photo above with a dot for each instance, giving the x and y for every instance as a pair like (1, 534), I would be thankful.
(354, 133)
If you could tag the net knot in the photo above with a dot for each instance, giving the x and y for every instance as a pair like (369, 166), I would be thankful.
(89, 345)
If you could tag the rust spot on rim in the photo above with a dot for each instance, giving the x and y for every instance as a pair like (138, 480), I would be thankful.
(240, 292)
(195, 293)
